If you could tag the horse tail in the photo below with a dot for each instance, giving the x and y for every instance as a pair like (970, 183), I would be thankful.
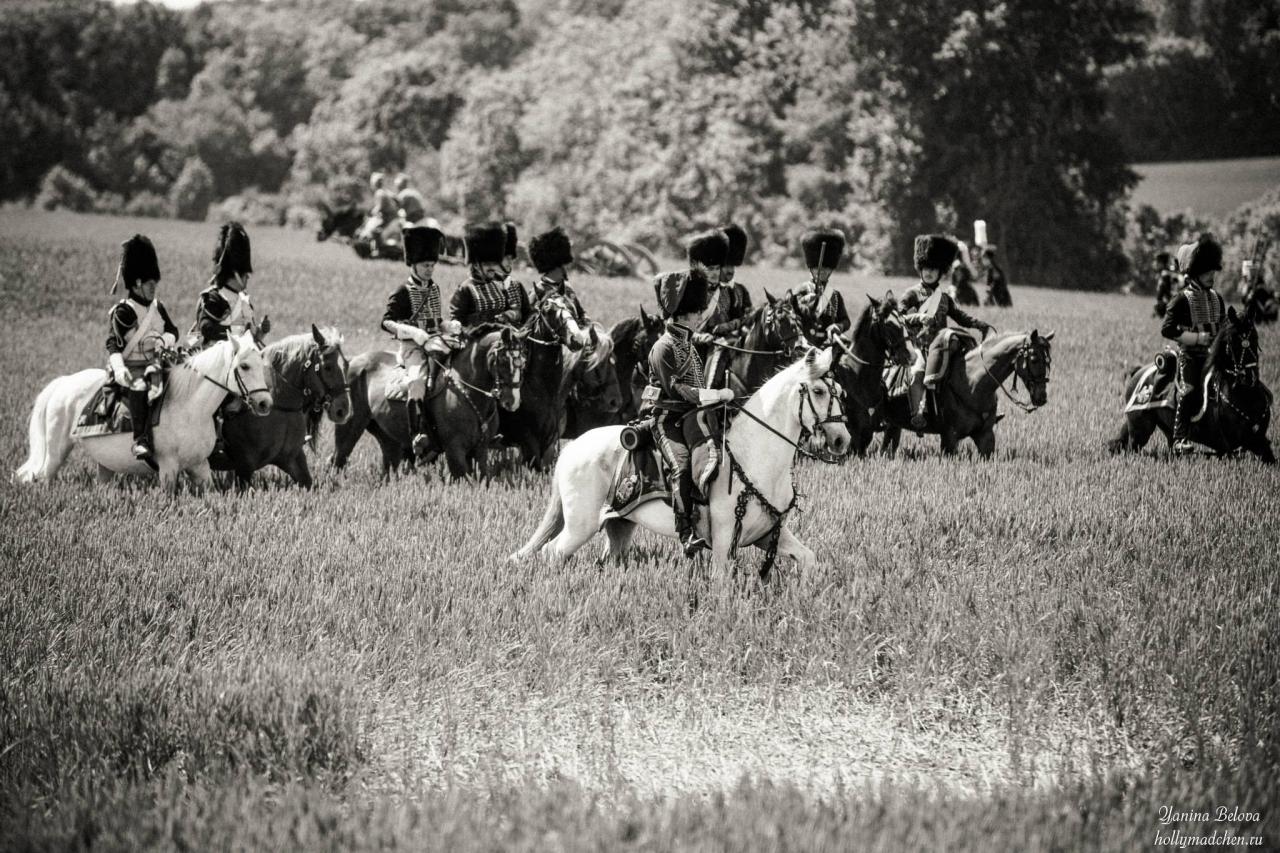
(550, 526)
(38, 456)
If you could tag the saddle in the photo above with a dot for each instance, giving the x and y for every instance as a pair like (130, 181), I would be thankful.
(897, 377)
(1157, 386)
(639, 477)
(107, 413)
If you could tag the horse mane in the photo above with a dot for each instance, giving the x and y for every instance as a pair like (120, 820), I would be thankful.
(604, 346)
(180, 383)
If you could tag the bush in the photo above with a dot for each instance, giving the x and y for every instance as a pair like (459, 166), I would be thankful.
(192, 193)
(63, 188)
(1147, 233)
(252, 208)
(1251, 221)
(149, 204)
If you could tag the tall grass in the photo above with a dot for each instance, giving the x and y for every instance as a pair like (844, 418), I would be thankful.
(1037, 651)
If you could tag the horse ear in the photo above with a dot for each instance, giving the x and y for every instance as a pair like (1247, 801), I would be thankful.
(890, 298)
(1035, 335)
(1049, 336)
(875, 303)
(773, 300)
(644, 316)
(235, 345)
(315, 333)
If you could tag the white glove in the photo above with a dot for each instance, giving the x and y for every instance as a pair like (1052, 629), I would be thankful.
(119, 372)
(420, 337)
(727, 395)
(452, 327)
(169, 340)
(707, 396)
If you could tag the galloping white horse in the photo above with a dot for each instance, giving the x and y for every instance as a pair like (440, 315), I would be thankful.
(184, 437)
(762, 439)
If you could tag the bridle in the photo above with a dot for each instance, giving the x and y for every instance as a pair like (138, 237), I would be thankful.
(313, 399)
(878, 324)
(555, 303)
(1022, 361)
(769, 321)
(1244, 361)
(835, 413)
(243, 392)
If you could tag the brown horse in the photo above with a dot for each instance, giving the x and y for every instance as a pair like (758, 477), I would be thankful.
(594, 398)
(485, 375)
(967, 397)
(307, 375)
(774, 339)
(876, 335)
(1237, 412)
(632, 340)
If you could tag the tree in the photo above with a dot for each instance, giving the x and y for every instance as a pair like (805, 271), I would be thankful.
(193, 192)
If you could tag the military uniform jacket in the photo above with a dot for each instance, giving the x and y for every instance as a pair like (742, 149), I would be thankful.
(385, 205)
(817, 313)
(676, 370)
(940, 307)
(411, 204)
(1194, 309)
(733, 308)
(124, 319)
(477, 302)
(220, 310)
(415, 304)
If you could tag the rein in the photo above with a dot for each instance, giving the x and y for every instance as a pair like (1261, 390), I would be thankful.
(1022, 350)
(305, 391)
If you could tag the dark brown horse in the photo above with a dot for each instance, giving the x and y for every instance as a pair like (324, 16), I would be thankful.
(632, 340)
(876, 335)
(307, 375)
(1238, 409)
(594, 399)
(555, 340)
(484, 376)
(774, 339)
(968, 395)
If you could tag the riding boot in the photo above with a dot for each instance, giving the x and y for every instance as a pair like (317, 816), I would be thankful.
(687, 515)
(920, 406)
(1181, 422)
(140, 414)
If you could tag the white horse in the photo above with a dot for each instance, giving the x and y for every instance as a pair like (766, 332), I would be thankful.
(762, 440)
(185, 435)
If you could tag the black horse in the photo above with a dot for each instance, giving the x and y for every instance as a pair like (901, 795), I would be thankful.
(875, 336)
(1237, 411)
(632, 340)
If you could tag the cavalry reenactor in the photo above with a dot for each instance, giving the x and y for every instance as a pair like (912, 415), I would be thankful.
(426, 342)
(1164, 283)
(551, 254)
(1194, 316)
(687, 423)
(385, 210)
(224, 307)
(139, 328)
(488, 295)
(410, 206)
(926, 309)
(997, 283)
(732, 309)
(822, 312)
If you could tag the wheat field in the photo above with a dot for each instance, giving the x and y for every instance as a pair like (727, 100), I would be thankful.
(1040, 651)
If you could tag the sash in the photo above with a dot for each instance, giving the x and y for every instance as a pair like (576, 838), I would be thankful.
(140, 330)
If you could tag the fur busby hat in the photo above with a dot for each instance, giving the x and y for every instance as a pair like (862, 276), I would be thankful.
(137, 262)
(422, 243)
(485, 242)
(231, 253)
(709, 247)
(680, 293)
(1162, 258)
(1202, 256)
(822, 247)
(935, 252)
(550, 250)
(512, 239)
(737, 244)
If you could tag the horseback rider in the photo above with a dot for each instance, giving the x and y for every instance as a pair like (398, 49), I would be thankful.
(732, 309)
(687, 434)
(384, 211)
(1194, 316)
(997, 284)
(426, 341)
(510, 256)
(224, 306)
(488, 295)
(926, 309)
(1164, 283)
(409, 204)
(820, 307)
(139, 326)
(552, 253)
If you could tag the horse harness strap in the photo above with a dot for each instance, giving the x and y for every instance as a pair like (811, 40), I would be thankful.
(1026, 407)
(777, 516)
(320, 401)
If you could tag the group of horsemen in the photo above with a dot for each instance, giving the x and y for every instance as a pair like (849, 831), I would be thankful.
(701, 306)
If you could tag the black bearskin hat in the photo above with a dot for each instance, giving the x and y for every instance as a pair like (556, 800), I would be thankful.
(422, 243)
(1162, 258)
(709, 247)
(512, 240)
(737, 244)
(485, 243)
(231, 253)
(681, 293)
(550, 250)
(822, 247)
(138, 261)
(935, 252)
(1204, 255)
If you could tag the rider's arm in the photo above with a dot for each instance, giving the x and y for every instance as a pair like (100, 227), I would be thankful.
(1176, 325)
(398, 309)
(517, 304)
(842, 313)
(170, 330)
(665, 371)
(214, 314)
(122, 321)
(462, 306)
(964, 318)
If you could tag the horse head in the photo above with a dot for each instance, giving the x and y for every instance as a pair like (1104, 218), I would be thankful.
(781, 325)
(650, 330)
(597, 376)
(1235, 350)
(246, 374)
(506, 358)
(891, 330)
(821, 401)
(328, 366)
(1031, 365)
(555, 316)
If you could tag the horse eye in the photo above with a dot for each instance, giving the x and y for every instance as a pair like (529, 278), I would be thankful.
(244, 367)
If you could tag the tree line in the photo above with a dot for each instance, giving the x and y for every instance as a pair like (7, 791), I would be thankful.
(646, 120)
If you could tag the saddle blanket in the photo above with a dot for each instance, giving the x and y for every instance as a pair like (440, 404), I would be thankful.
(637, 480)
(1158, 389)
(107, 413)
(897, 377)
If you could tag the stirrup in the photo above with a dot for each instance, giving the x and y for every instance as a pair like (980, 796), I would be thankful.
(142, 450)
(694, 544)
(422, 445)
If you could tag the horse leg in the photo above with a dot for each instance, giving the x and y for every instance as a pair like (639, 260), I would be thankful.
(458, 460)
(790, 546)
(889, 441)
(297, 469)
(985, 441)
(950, 442)
(105, 474)
(201, 475)
(346, 435)
(1259, 445)
(618, 533)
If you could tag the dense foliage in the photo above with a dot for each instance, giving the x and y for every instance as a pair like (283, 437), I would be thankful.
(644, 120)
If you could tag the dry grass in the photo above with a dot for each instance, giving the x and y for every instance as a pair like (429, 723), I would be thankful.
(1033, 652)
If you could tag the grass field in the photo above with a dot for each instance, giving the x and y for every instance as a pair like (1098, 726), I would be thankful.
(1037, 652)
(1211, 188)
